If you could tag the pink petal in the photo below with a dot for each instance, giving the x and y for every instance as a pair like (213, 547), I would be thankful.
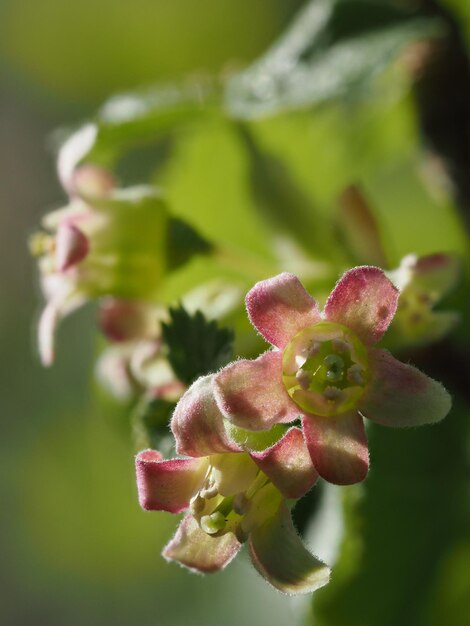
(437, 273)
(251, 394)
(288, 464)
(279, 555)
(198, 551)
(198, 424)
(46, 333)
(167, 485)
(73, 151)
(71, 246)
(338, 447)
(280, 307)
(365, 300)
(401, 395)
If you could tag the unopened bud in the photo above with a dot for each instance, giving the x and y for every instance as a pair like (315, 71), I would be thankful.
(92, 181)
(125, 320)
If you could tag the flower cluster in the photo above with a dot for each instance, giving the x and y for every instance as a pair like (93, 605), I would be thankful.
(242, 460)
(106, 241)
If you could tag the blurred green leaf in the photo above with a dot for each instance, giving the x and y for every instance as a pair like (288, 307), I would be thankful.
(332, 48)
(183, 242)
(402, 525)
(196, 346)
(150, 420)
(285, 207)
(143, 116)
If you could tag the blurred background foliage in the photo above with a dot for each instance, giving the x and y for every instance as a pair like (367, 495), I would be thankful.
(76, 548)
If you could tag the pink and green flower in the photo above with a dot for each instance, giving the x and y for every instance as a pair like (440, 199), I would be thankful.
(423, 282)
(234, 490)
(324, 370)
(106, 241)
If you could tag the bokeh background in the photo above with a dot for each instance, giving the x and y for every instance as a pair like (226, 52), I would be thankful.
(75, 546)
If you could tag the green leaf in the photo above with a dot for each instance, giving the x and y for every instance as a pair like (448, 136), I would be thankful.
(142, 117)
(196, 346)
(332, 48)
(183, 242)
(285, 207)
(150, 421)
(405, 527)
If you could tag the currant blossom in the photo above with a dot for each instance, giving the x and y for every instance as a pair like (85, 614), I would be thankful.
(106, 241)
(232, 494)
(136, 360)
(324, 370)
(423, 282)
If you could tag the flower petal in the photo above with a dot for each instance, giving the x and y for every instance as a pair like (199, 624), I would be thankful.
(72, 246)
(251, 394)
(436, 274)
(279, 307)
(198, 551)
(365, 300)
(73, 151)
(279, 555)
(288, 464)
(338, 447)
(46, 333)
(167, 485)
(401, 395)
(198, 424)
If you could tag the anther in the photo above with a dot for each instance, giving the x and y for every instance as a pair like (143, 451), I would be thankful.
(313, 348)
(332, 393)
(304, 379)
(240, 503)
(339, 345)
(210, 491)
(355, 374)
(197, 505)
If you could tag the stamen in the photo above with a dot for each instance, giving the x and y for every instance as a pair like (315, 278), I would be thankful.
(355, 374)
(312, 348)
(332, 393)
(304, 378)
(196, 505)
(341, 346)
(240, 503)
(260, 480)
(210, 491)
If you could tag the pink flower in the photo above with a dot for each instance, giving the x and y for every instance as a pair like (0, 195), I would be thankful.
(324, 370)
(423, 282)
(233, 493)
(94, 247)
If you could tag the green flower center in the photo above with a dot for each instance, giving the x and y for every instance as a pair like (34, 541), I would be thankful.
(325, 369)
(234, 497)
